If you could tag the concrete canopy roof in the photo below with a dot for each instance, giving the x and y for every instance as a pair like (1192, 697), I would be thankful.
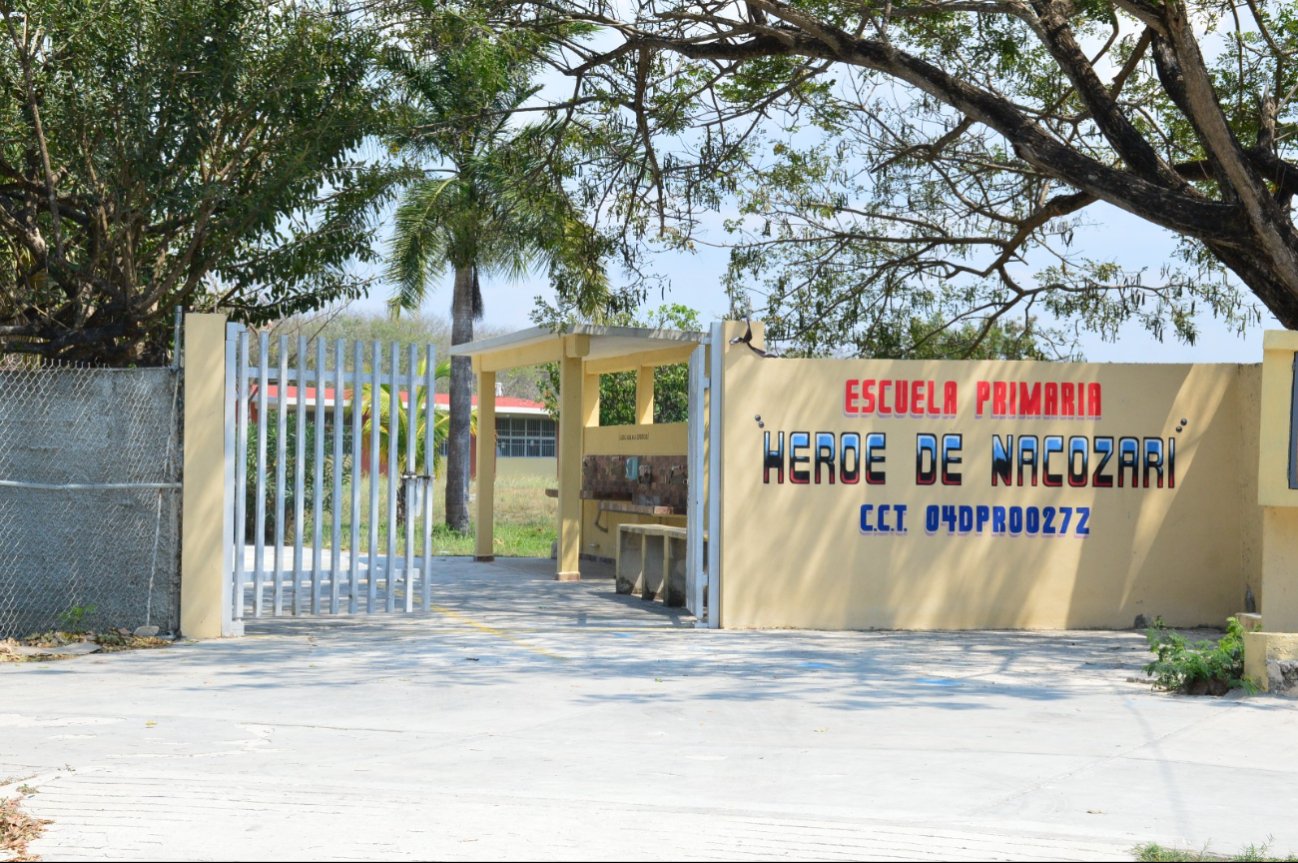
(604, 349)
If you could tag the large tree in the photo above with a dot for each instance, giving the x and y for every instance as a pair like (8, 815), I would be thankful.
(491, 199)
(191, 152)
(900, 158)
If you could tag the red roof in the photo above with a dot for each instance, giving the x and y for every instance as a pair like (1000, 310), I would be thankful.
(505, 404)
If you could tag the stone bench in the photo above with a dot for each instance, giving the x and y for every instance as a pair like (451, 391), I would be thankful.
(651, 562)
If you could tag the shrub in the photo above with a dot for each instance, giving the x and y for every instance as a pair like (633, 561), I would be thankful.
(290, 468)
(1197, 668)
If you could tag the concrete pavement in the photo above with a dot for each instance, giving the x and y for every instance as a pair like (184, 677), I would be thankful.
(527, 718)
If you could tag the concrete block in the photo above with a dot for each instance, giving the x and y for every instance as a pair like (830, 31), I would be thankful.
(1271, 661)
(676, 561)
(629, 571)
(653, 585)
(1250, 622)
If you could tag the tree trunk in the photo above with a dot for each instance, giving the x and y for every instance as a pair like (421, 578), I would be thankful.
(458, 441)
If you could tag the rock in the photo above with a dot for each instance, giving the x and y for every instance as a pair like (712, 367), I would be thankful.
(76, 648)
(145, 632)
(1282, 676)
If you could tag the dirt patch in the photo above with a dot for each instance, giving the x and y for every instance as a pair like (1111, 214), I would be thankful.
(47, 646)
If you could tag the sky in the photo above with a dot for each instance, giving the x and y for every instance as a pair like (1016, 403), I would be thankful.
(696, 281)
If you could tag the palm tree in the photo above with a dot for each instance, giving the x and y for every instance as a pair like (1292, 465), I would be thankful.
(493, 204)
(388, 438)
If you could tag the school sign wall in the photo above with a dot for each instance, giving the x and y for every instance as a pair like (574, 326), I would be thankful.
(892, 494)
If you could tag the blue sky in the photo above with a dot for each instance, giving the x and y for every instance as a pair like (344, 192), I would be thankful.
(695, 280)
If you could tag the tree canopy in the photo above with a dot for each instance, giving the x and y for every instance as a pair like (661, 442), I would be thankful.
(191, 152)
(892, 161)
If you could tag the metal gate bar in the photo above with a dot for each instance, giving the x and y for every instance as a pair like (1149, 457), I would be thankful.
(319, 566)
(394, 399)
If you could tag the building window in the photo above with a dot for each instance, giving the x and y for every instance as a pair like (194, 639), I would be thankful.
(525, 437)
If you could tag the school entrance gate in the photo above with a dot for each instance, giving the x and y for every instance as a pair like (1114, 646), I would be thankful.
(330, 453)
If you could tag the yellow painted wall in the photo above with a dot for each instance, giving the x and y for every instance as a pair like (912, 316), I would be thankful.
(203, 612)
(794, 555)
(1279, 583)
(603, 543)
(659, 439)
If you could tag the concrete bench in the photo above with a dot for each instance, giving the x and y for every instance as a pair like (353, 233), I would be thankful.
(651, 562)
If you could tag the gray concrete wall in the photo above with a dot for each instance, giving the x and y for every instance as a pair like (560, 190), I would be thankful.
(108, 556)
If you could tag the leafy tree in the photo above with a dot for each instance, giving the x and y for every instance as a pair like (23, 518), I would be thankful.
(399, 437)
(936, 339)
(291, 467)
(493, 200)
(189, 152)
(921, 159)
(421, 329)
(441, 421)
(617, 390)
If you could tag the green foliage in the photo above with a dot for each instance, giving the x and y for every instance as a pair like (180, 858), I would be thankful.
(441, 420)
(201, 153)
(74, 619)
(1152, 852)
(419, 329)
(1202, 667)
(881, 165)
(491, 197)
(617, 390)
(291, 466)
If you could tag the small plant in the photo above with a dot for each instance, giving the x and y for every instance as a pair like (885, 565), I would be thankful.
(1198, 668)
(74, 619)
(1155, 853)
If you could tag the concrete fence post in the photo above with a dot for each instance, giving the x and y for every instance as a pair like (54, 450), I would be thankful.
(1271, 655)
(205, 562)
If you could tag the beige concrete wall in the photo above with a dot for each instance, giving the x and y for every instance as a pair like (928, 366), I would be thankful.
(795, 555)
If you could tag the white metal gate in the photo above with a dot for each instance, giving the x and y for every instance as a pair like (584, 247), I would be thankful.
(703, 519)
(330, 455)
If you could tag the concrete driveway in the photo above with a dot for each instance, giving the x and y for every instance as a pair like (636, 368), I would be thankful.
(531, 719)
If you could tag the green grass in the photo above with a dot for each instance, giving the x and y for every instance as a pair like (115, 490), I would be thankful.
(524, 522)
(1156, 853)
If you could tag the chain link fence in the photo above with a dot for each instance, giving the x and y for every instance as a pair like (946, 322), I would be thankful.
(89, 497)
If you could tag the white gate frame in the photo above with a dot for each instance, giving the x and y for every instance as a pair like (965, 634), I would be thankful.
(696, 522)
(313, 600)
(703, 534)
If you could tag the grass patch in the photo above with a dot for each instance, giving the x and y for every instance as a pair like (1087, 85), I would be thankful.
(17, 829)
(1152, 851)
(525, 519)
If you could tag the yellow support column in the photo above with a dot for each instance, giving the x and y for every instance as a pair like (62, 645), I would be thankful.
(590, 401)
(1269, 653)
(572, 421)
(486, 502)
(644, 396)
(204, 607)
